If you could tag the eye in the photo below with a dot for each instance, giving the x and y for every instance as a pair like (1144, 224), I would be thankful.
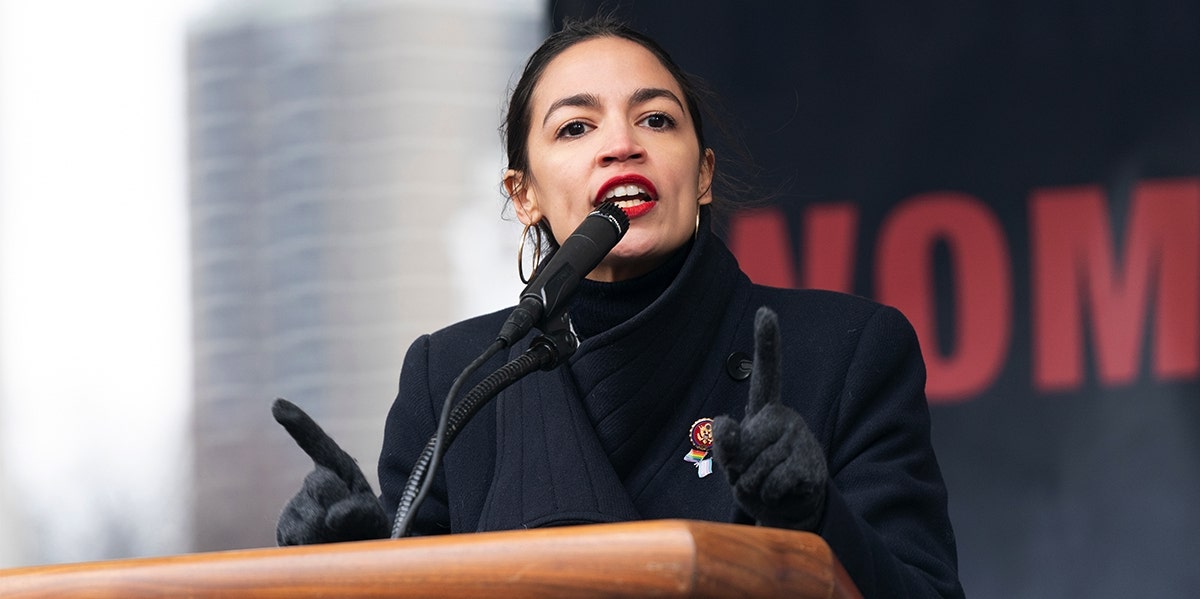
(659, 120)
(573, 129)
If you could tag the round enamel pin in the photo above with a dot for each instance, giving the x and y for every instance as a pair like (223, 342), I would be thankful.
(702, 434)
(701, 437)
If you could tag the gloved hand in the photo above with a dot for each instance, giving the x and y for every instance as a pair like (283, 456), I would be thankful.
(335, 503)
(772, 459)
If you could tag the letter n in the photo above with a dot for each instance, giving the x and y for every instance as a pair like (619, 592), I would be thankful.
(760, 241)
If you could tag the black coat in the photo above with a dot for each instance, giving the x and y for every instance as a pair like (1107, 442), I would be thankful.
(604, 439)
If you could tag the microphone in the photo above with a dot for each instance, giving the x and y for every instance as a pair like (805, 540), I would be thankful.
(554, 283)
(542, 303)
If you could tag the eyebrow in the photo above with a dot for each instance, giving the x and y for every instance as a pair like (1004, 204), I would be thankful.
(646, 94)
(585, 100)
(582, 100)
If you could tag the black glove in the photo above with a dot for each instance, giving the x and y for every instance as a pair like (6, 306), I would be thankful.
(773, 462)
(336, 502)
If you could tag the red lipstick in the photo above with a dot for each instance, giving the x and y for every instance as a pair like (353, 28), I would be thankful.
(648, 194)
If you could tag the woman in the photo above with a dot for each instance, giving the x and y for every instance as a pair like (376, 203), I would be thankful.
(836, 443)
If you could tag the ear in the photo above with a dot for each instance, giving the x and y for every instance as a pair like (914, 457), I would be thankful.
(524, 202)
(708, 165)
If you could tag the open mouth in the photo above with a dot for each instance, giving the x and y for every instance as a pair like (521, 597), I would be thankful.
(628, 196)
(634, 194)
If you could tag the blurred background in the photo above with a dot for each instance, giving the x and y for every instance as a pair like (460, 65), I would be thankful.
(208, 204)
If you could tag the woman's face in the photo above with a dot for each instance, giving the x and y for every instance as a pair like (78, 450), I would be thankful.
(609, 124)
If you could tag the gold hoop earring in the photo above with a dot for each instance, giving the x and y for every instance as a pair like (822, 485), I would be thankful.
(537, 252)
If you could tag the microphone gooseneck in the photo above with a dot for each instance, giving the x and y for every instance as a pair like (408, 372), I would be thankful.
(542, 304)
(546, 352)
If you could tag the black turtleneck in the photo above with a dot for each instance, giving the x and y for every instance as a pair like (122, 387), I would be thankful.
(598, 306)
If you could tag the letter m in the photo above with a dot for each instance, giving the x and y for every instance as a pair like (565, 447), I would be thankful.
(1079, 280)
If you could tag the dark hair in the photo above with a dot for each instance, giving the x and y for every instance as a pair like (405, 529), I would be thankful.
(728, 187)
(517, 122)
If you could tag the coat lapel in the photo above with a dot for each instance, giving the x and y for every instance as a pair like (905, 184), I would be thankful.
(550, 467)
(581, 443)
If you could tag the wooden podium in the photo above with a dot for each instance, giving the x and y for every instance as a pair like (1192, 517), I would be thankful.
(664, 558)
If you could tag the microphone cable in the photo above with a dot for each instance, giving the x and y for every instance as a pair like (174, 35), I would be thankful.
(545, 352)
(542, 303)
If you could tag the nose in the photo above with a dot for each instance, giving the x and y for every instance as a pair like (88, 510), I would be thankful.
(620, 145)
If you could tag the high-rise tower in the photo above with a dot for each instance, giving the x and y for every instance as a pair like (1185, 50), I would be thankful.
(345, 169)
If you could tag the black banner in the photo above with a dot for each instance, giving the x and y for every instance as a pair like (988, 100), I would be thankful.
(1022, 180)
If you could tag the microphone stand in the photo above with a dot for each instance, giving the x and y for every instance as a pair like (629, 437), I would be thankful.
(547, 351)
(542, 301)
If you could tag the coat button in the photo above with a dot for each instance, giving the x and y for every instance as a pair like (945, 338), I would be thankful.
(737, 366)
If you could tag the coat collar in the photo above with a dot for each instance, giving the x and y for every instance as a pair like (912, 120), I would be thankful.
(569, 441)
(632, 376)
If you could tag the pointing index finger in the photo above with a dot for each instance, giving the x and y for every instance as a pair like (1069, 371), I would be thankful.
(315, 442)
(765, 376)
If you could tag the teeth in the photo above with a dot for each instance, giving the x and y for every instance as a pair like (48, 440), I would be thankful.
(621, 191)
(627, 203)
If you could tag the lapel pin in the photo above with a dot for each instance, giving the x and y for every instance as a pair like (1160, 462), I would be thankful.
(701, 437)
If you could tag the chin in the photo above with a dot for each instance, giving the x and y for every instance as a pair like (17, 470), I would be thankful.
(634, 248)
(637, 257)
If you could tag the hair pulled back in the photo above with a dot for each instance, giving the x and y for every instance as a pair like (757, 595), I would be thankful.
(517, 122)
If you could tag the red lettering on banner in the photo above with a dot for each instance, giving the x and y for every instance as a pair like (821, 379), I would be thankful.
(1083, 289)
(830, 234)
(759, 238)
(982, 287)
(1075, 265)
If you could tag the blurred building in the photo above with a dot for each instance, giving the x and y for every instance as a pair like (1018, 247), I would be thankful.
(344, 184)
